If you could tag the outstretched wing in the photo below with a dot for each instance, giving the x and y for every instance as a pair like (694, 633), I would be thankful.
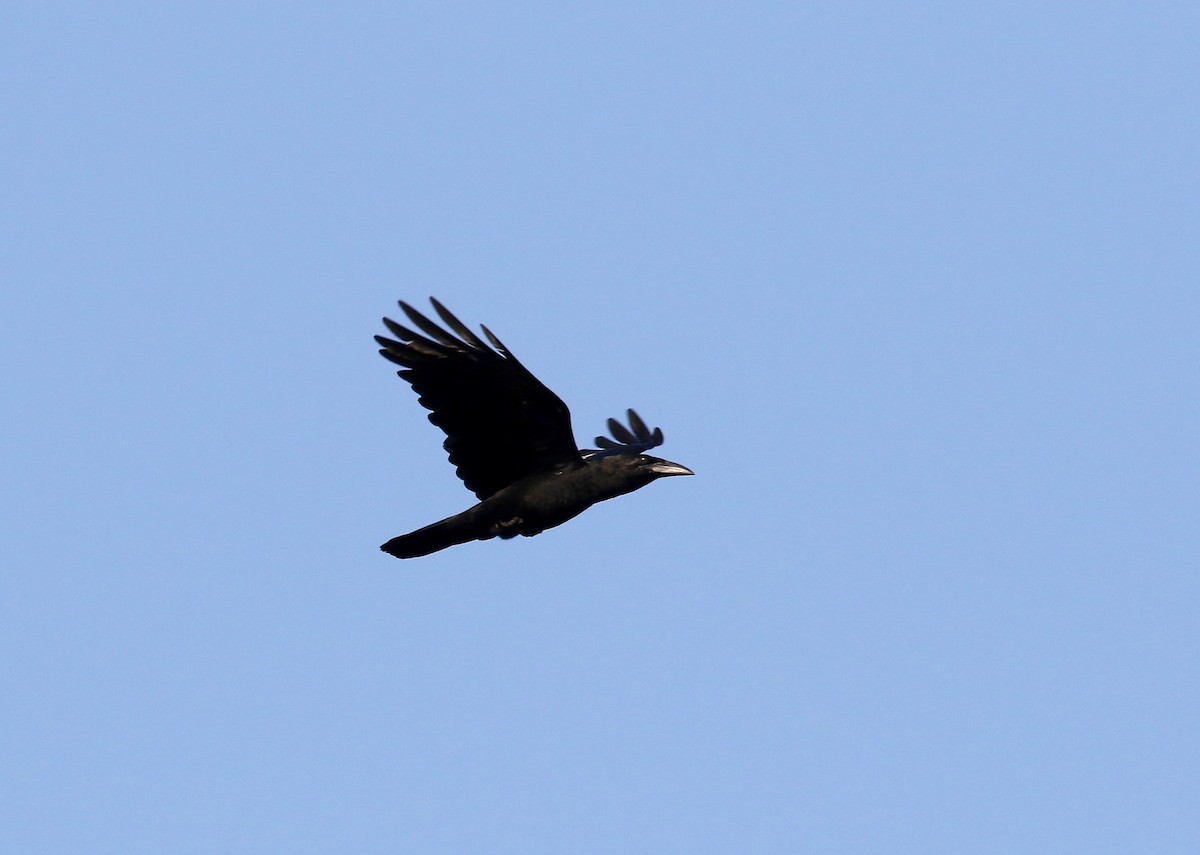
(626, 440)
(501, 422)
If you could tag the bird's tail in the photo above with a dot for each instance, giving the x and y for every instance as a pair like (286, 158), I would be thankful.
(439, 535)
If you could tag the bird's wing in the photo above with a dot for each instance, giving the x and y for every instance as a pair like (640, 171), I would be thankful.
(626, 440)
(501, 422)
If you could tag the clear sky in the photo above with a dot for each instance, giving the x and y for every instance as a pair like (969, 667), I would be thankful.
(914, 289)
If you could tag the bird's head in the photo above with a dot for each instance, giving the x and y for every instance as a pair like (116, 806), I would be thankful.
(621, 459)
(617, 474)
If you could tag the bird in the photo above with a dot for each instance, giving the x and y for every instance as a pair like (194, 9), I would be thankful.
(508, 436)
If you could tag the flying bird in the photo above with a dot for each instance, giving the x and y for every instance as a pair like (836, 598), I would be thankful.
(509, 437)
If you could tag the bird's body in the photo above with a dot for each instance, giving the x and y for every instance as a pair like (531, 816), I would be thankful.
(510, 438)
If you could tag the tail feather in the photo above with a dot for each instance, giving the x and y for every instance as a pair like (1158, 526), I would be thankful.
(439, 535)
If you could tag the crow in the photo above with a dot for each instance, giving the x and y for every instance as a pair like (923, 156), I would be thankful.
(509, 437)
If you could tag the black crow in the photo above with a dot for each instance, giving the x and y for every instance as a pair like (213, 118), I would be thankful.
(509, 437)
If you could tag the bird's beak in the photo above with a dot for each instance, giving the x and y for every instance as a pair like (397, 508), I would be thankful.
(666, 467)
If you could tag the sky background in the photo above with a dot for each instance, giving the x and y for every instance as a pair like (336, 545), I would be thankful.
(913, 288)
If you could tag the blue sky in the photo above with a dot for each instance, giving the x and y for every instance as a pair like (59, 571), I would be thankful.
(911, 287)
